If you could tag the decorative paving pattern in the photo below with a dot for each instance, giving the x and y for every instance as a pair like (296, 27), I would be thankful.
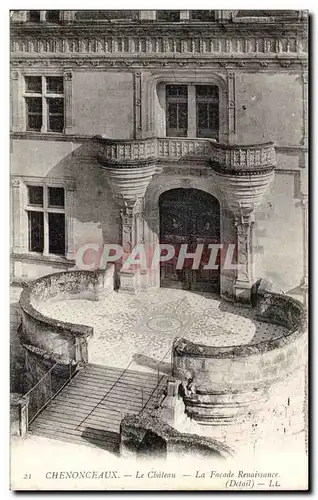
(140, 329)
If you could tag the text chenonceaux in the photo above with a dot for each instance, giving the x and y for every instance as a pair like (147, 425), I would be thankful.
(108, 474)
(157, 474)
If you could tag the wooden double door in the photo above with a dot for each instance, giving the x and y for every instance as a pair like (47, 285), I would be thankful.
(192, 217)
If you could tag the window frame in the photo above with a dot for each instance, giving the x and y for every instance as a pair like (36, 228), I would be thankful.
(43, 16)
(177, 100)
(18, 105)
(46, 210)
(192, 113)
(160, 12)
(45, 96)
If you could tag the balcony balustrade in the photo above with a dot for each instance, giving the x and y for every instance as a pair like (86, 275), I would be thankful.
(221, 157)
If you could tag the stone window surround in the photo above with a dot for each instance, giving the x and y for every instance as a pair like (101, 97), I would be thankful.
(45, 209)
(19, 209)
(226, 84)
(18, 105)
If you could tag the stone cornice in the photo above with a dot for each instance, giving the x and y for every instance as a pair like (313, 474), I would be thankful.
(284, 27)
(153, 41)
(129, 62)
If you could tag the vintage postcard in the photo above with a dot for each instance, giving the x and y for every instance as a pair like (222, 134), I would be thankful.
(159, 250)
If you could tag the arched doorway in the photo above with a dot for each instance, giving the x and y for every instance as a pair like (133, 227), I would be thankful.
(192, 217)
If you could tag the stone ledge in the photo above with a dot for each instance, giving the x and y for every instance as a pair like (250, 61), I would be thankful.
(269, 305)
(133, 429)
(48, 334)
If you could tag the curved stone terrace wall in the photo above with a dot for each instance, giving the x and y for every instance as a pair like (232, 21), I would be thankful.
(67, 341)
(133, 429)
(239, 374)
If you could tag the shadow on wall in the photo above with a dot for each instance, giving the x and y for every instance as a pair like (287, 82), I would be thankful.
(97, 217)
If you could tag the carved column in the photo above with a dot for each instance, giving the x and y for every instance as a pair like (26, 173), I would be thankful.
(245, 257)
(68, 91)
(132, 234)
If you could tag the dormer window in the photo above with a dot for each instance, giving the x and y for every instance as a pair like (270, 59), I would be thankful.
(52, 16)
(168, 16)
(49, 16)
(34, 16)
(202, 15)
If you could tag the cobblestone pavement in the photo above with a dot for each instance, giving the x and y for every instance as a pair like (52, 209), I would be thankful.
(139, 329)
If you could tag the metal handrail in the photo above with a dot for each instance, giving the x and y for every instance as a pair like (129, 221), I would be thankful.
(48, 376)
(158, 382)
(39, 381)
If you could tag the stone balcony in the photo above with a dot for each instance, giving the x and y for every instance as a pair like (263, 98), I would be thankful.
(242, 172)
(120, 152)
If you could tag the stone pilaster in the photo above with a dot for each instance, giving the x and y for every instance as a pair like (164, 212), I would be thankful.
(16, 213)
(132, 219)
(245, 258)
(68, 89)
(70, 220)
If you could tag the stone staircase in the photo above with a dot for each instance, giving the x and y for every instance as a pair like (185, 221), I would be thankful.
(90, 408)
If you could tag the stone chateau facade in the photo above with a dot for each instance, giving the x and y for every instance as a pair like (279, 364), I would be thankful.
(111, 109)
(147, 127)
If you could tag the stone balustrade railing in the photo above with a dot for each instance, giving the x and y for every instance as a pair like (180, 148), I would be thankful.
(236, 158)
(222, 156)
(59, 340)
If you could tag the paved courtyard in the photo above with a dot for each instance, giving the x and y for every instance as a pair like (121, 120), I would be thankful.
(140, 329)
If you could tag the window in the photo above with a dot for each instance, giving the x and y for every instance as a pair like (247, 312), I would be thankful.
(192, 111)
(44, 101)
(46, 220)
(52, 16)
(177, 110)
(170, 16)
(202, 15)
(34, 16)
(106, 15)
(207, 111)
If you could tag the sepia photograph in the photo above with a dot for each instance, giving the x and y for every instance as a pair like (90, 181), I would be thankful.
(159, 250)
